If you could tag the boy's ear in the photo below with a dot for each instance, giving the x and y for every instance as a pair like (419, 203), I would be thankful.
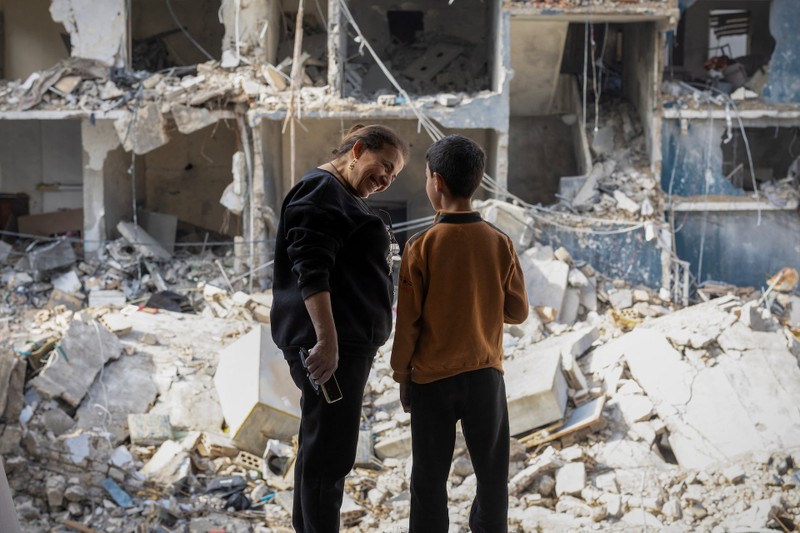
(438, 182)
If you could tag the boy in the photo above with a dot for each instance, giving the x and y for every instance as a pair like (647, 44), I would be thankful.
(460, 280)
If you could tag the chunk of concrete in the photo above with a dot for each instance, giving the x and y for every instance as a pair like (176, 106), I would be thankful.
(571, 479)
(545, 280)
(85, 349)
(132, 374)
(67, 282)
(144, 243)
(740, 405)
(169, 466)
(12, 382)
(536, 390)
(258, 397)
(620, 298)
(397, 446)
(625, 203)
(54, 489)
(190, 119)
(107, 298)
(57, 421)
(5, 250)
(569, 310)
(194, 405)
(148, 429)
(147, 132)
(511, 219)
(51, 256)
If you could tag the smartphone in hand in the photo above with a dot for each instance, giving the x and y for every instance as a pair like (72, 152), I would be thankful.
(330, 389)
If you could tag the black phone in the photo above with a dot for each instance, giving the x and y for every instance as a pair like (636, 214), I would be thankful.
(330, 389)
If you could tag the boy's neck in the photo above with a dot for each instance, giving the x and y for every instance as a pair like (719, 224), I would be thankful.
(456, 204)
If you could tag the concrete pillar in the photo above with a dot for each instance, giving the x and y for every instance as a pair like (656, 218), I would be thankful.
(337, 47)
(107, 193)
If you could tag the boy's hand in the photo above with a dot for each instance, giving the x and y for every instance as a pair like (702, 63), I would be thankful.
(405, 397)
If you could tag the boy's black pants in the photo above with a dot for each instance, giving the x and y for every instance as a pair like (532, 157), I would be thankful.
(328, 440)
(478, 399)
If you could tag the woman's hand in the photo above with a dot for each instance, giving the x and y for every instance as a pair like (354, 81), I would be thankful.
(323, 358)
(322, 361)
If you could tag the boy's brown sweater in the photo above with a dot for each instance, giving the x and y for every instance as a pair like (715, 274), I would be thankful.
(460, 280)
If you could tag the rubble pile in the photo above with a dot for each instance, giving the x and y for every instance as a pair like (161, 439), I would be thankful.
(620, 185)
(627, 412)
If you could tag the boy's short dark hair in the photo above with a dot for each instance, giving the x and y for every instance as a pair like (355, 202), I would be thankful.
(460, 161)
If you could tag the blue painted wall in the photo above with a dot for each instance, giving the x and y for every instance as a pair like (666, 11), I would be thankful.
(692, 159)
(625, 256)
(784, 70)
(736, 250)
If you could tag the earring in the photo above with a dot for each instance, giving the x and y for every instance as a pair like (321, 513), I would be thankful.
(353, 163)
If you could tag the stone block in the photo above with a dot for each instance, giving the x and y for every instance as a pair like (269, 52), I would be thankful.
(149, 429)
(397, 446)
(536, 390)
(54, 488)
(571, 479)
(569, 311)
(545, 279)
(620, 298)
(511, 219)
(258, 397)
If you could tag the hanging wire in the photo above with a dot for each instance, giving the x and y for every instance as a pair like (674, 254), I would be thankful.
(186, 33)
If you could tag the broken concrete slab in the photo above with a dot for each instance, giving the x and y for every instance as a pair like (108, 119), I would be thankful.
(511, 219)
(82, 20)
(51, 256)
(193, 405)
(133, 374)
(571, 479)
(149, 429)
(57, 421)
(161, 226)
(698, 325)
(718, 413)
(169, 466)
(144, 131)
(620, 298)
(190, 119)
(545, 279)
(85, 349)
(256, 392)
(107, 298)
(144, 243)
(536, 390)
(67, 282)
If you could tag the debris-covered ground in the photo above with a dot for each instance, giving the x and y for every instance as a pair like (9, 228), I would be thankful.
(128, 402)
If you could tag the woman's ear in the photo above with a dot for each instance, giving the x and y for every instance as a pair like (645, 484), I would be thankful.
(358, 149)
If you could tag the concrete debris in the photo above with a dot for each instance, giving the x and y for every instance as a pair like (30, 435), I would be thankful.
(633, 414)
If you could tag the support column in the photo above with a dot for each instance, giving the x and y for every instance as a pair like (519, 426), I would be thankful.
(107, 195)
(337, 48)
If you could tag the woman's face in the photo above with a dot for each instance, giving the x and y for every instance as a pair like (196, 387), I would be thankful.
(374, 171)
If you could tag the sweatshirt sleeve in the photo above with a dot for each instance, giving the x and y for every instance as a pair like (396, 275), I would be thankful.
(313, 238)
(409, 315)
(515, 308)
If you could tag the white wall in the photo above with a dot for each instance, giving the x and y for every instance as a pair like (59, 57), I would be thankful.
(41, 151)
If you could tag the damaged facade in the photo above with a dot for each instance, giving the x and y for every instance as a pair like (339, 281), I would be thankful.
(639, 153)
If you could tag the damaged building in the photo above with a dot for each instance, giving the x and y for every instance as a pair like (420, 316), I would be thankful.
(642, 154)
(643, 136)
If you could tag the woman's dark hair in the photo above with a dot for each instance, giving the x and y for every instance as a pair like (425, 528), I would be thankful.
(374, 137)
(460, 161)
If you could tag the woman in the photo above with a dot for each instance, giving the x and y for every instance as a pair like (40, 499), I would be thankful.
(333, 292)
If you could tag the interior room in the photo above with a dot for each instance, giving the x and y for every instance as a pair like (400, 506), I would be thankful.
(429, 49)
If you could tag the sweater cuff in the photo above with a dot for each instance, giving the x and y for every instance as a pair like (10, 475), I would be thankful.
(402, 377)
(309, 289)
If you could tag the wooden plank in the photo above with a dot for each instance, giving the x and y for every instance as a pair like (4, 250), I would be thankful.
(52, 223)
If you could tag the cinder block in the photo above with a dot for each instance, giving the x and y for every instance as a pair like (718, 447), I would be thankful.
(536, 390)
(258, 397)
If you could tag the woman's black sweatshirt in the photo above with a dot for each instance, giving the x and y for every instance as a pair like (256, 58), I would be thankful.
(329, 240)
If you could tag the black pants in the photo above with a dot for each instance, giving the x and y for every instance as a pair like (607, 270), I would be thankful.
(328, 440)
(479, 399)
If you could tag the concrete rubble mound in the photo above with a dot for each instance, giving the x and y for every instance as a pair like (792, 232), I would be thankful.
(627, 411)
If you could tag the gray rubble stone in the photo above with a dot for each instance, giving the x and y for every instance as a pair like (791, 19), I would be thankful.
(620, 298)
(57, 421)
(54, 488)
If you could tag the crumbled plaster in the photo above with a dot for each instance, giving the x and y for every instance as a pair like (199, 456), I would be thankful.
(96, 29)
(98, 140)
(147, 132)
